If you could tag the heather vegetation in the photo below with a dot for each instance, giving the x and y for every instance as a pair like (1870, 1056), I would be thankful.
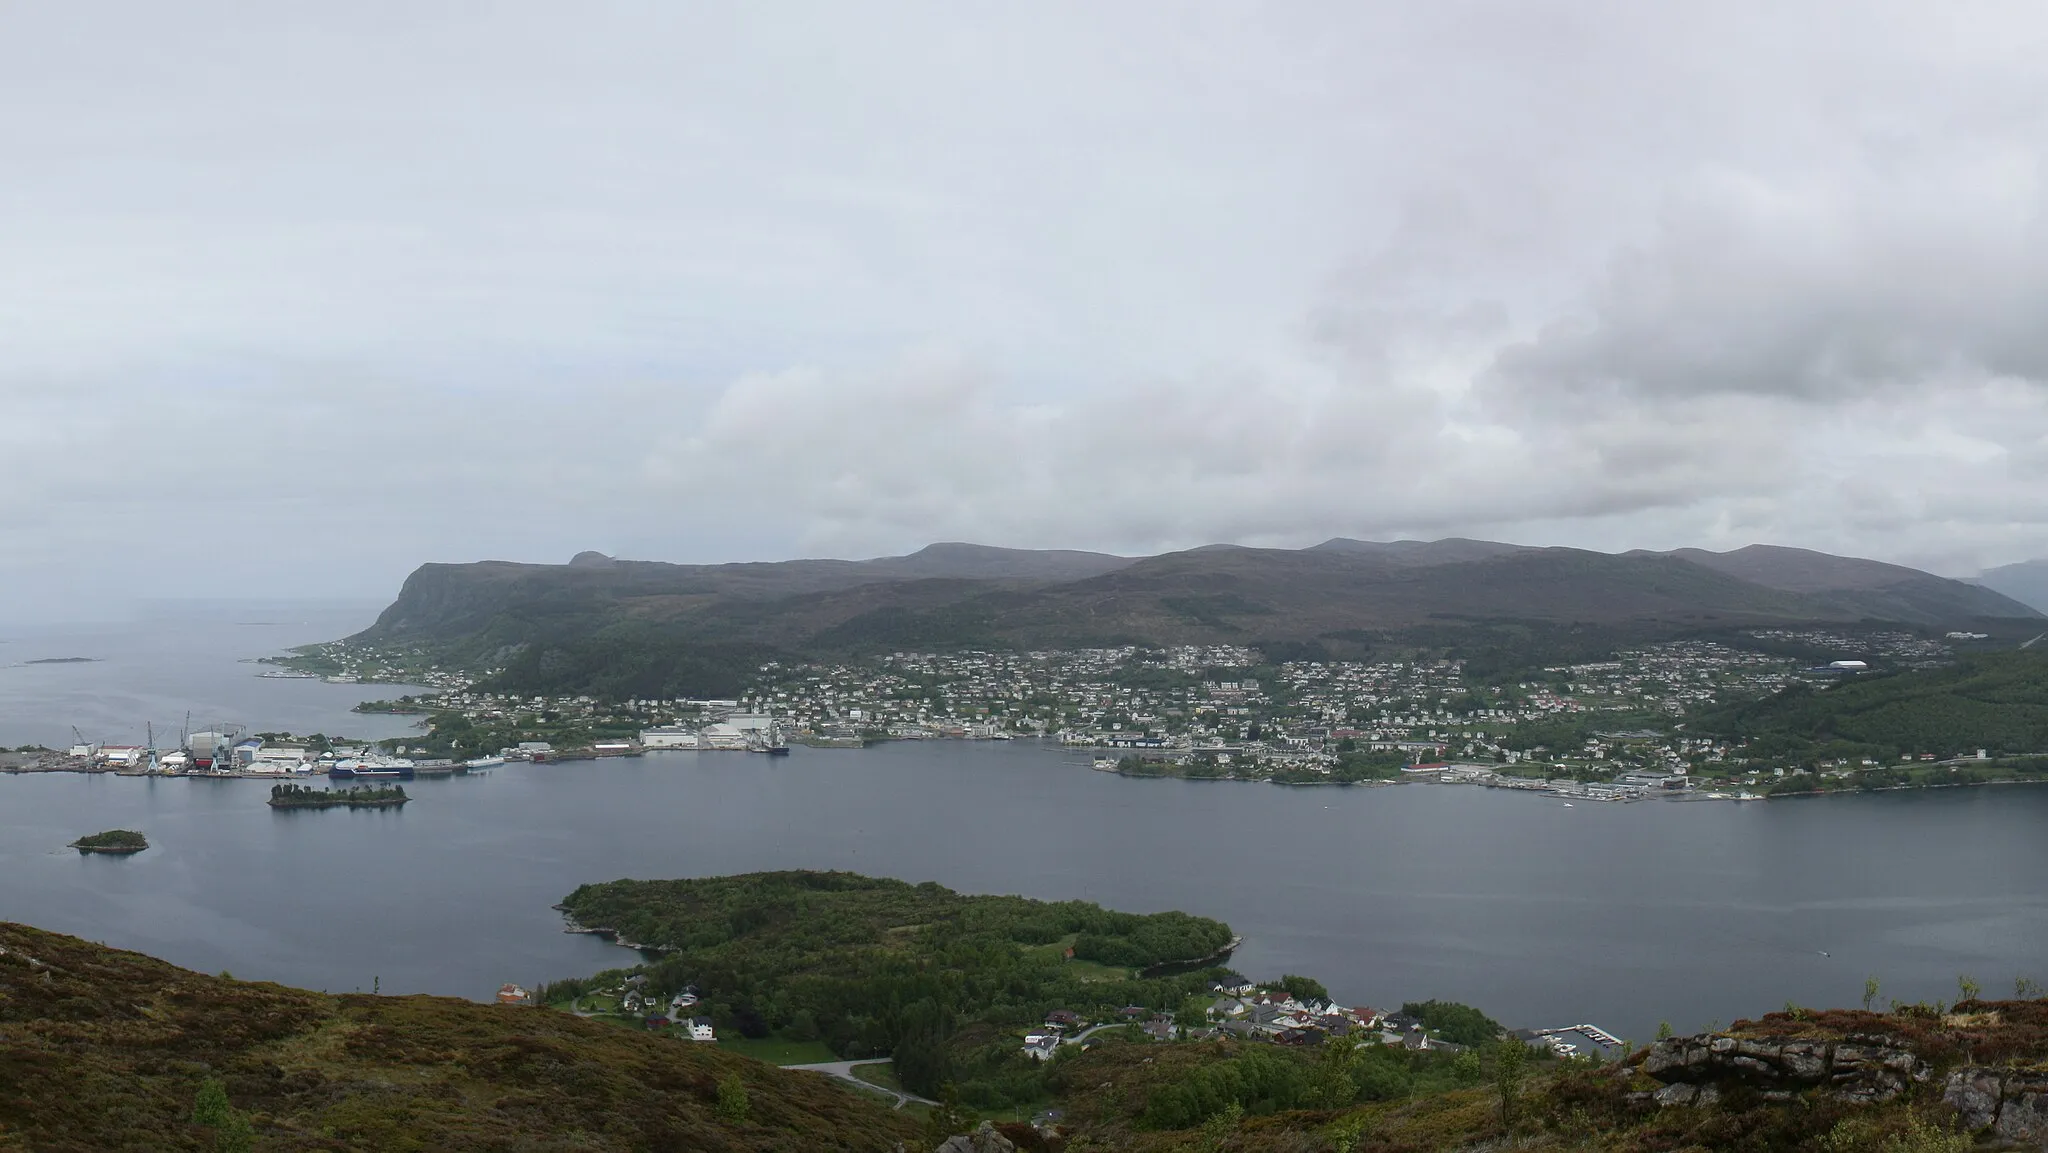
(104, 1050)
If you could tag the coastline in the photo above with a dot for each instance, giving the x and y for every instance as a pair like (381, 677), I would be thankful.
(572, 925)
(1160, 967)
(1898, 789)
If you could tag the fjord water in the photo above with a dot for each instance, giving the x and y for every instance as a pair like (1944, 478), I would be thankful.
(1621, 915)
(1618, 915)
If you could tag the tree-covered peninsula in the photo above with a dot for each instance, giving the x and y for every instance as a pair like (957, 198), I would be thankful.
(112, 841)
(291, 796)
(874, 967)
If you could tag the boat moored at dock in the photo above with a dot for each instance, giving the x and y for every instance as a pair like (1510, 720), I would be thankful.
(356, 768)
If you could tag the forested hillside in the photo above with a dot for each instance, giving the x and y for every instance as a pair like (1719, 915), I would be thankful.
(1994, 701)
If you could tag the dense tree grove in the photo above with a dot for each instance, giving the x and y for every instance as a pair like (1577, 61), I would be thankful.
(1455, 1022)
(875, 967)
(1993, 701)
(629, 663)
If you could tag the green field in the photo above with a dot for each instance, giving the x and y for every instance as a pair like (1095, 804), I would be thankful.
(777, 1051)
(883, 1075)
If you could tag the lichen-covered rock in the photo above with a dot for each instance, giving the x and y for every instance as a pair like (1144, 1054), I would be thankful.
(983, 1140)
(1975, 1095)
(2011, 1102)
(1860, 1068)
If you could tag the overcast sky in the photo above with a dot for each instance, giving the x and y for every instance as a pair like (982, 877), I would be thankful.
(322, 291)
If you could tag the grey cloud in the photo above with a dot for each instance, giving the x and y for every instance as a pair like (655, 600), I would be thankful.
(1812, 294)
(724, 281)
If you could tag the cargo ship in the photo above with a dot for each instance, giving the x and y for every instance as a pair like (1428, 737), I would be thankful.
(372, 767)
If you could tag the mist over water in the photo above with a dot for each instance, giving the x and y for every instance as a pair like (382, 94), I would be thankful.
(171, 660)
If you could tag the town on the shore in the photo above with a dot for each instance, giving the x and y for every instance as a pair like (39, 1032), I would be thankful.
(1611, 730)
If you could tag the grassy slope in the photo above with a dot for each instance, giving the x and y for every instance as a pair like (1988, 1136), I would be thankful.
(102, 1049)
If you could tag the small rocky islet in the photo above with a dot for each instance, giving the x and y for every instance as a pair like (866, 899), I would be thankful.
(112, 841)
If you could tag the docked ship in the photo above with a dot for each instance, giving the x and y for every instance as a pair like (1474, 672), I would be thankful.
(372, 767)
(490, 762)
(768, 740)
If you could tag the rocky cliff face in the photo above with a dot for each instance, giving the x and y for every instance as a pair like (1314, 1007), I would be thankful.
(1862, 1067)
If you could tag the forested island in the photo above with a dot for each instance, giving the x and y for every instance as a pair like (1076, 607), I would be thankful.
(112, 841)
(873, 967)
(290, 796)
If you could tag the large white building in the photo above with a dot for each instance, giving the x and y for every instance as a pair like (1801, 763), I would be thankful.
(668, 737)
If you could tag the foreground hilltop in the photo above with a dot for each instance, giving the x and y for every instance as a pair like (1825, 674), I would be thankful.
(957, 595)
(102, 1049)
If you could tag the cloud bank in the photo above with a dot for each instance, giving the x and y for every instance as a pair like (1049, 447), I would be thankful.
(327, 295)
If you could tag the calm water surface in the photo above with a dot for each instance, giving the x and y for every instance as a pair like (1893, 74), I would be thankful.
(1617, 914)
(1621, 915)
(174, 662)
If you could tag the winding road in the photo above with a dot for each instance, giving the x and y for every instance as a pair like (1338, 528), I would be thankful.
(844, 1071)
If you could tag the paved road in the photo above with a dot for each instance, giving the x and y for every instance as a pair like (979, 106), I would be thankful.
(1092, 1030)
(844, 1071)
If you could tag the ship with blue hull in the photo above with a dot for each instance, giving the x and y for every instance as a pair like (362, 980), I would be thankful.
(372, 768)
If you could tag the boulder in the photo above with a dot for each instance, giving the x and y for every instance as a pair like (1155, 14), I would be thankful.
(2013, 1103)
(983, 1140)
(1864, 1067)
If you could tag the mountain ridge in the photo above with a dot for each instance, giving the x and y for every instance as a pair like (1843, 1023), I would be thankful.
(964, 595)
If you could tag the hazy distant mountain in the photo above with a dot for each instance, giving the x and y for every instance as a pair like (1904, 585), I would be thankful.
(985, 562)
(1420, 552)
(961, 594)
(1876, 589)
(2025, 582)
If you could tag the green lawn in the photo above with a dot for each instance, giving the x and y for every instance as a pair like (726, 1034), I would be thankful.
(1084, 970)
(777, 1051)
(1096, 971)
(883, 1075)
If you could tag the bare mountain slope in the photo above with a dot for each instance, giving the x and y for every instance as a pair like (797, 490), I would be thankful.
(2026, 582)
(1871, 588)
